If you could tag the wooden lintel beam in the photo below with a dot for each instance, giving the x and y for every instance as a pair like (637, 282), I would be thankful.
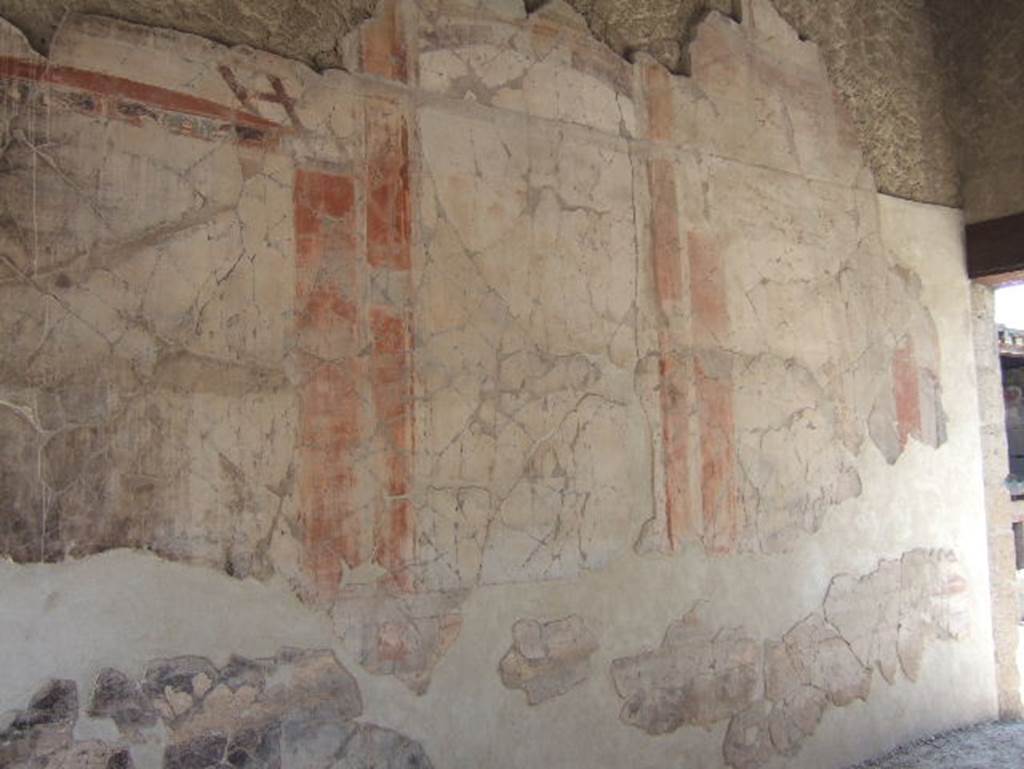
(995, 250)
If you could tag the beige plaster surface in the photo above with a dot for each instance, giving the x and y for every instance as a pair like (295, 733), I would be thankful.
(493, 327)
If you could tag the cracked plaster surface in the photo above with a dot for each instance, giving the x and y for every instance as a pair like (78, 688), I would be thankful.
(774, 693)
(496, 307)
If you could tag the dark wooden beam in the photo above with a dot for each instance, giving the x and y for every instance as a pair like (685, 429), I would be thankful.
(995, 249)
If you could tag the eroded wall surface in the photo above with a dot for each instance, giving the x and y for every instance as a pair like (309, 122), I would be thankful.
(881, 56)
(982, 45)
(494, 402)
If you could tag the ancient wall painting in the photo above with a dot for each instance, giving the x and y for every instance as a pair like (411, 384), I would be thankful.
(494, 306)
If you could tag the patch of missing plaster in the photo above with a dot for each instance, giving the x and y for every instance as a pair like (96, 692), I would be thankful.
(42, 735)
(547, 659)
(294, 710)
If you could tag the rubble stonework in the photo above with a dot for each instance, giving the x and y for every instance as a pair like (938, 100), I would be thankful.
(884, 619)
(296, 709)
(43, 733)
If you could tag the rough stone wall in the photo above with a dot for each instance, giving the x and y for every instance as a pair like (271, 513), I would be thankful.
(881, 57)
(982, 45)
(476, 366)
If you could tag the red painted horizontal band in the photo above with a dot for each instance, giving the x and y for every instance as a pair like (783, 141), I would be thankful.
(111, 85)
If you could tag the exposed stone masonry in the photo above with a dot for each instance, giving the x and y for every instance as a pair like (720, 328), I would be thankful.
(292, 711)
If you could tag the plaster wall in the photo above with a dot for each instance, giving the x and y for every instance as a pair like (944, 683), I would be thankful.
(491, 363)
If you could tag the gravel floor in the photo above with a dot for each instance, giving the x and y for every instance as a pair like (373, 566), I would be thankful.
(984, 746)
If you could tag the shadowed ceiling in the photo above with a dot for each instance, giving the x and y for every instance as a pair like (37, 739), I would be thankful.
(900, 66)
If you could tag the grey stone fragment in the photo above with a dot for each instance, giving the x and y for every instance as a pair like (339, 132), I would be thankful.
(256, 748)
(241, 671)
(118, 697)
(87, 755)
(373, 747)
(290, 711)
(309, 741)
(882, 429)
(44, 727)
(203, 752)
(177, 674)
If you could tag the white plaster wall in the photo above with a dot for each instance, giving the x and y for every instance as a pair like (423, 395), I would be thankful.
(123, 608)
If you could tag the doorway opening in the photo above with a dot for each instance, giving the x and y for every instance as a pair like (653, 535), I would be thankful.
(1009, 317)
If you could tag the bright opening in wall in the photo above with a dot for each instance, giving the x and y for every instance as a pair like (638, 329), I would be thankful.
(1010, 327)
(1010, 306)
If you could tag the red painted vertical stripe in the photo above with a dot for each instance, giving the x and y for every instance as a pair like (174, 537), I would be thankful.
(674, 375)
(330, 423)
(665, 244)
(676, 397)
(384, 49)
(391, 383)
(719, 497)
(658, 82)
(710, 327)
(388, 249)
(906, 391)
(387, 198)
(707, 290)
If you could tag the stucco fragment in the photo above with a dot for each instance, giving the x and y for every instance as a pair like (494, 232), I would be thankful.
(548, 658)
(813, 667)
(374, 747)
(400, 635)
(933, 604)
(883, 619)
(697, 676)
(748, 739)
(866, 612)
